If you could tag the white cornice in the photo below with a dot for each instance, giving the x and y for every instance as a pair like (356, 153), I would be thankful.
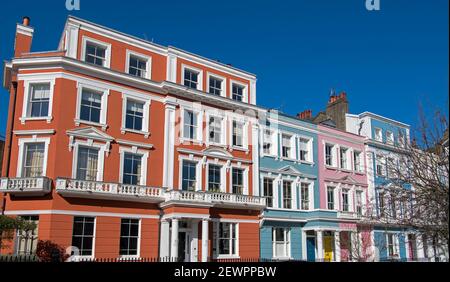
(34, 132)
(25, 30)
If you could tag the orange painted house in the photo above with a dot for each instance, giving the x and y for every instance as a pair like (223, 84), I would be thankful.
(121, 148)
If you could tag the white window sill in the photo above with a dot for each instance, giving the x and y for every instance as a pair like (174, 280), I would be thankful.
(24, 119)
(359, 172)
(269, 155)
(331, 167)
(102, 125)
(237, 148)
(188, 140)
(288, 159)
(209, 143)
(306, 162)
(125, 130)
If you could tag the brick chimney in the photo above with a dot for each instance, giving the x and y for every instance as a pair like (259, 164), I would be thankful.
(305, 115)
(24, 37)
(337, 108)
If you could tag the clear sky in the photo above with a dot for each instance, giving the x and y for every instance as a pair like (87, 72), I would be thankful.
(387, 61)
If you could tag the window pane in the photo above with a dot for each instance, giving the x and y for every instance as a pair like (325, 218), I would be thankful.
(33, 163)
(39, 100)
(87, 163)
(90, 106)
(189, 176)
(132, 169)
(134, 115)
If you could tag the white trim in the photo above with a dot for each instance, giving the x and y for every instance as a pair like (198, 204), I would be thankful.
(34, 132)
(223, 85)
(286, 243)
(25, 30)
(102, 148)
(134, 144)
(198, 171)
(104, 92)
(107, 46)
(245, 178)
(148, 59)
(22, 142)
(81, 213)
(234, 220)
(244, 91)
(144, 99)
(192, 69)
(222, 129)
(178, 215)
(199, 133)
(223, 176)
(144, 162)
(25, 106)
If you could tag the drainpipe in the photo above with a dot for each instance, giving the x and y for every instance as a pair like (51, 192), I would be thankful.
(8, 141)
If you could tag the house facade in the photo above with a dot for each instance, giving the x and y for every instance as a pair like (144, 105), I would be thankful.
(384, 139)
(124, 148)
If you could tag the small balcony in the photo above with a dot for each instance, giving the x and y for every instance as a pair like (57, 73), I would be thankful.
(224, 200)
(108, 191)
(33, 186)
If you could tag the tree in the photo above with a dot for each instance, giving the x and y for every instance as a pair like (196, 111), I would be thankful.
(416, 194)
(9, 225)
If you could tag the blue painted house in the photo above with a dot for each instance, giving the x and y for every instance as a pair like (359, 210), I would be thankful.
(289, 180)
(384, 137)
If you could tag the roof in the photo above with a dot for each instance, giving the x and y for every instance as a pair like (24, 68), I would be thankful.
(157, 45)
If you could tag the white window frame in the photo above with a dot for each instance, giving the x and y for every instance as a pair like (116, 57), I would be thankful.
(244, 91)
(390, 138)
(144, 162)
(146, 114)
(22, 143)
(361, 161)
(216, 232)
(223, 176)
(26, 100)
(350, 193)
(244, 135)
(287, 243)
(197, 70)
(334, 155)
(378, 134)
(310, 195)
(310, 148)
(104, 105)
(223, 92)
(273, 141)
(293, 186)
(395, 241)
(138, 251)
(107, 46)
(335, 200)
(199, 113)
(148, 59)
(380, 160)
(245, 180)
(102, 148)
(361, 192)
(198, 171)
(348, 158)
(222, 129)
(274, 190)
(292, 148)
(94, 235)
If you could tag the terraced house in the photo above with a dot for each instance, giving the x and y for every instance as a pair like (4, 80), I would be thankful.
(385, 137)
(124, 148)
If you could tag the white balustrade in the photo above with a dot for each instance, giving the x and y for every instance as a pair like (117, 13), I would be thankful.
(32, 185)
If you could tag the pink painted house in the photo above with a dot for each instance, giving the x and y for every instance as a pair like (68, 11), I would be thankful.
(343, 190)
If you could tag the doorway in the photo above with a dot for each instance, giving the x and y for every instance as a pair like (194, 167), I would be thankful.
(184, 246)
(311, 248)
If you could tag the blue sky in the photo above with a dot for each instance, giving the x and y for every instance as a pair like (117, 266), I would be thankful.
(387, 61)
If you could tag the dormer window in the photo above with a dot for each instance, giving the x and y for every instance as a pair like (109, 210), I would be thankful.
(378, 135)
(389, 137)
(190, 78)
(96, 52)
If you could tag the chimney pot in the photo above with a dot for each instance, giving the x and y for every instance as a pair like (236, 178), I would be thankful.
(26, 21)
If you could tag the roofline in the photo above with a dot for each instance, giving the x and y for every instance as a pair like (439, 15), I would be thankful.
(383, 118)
(165, 48)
